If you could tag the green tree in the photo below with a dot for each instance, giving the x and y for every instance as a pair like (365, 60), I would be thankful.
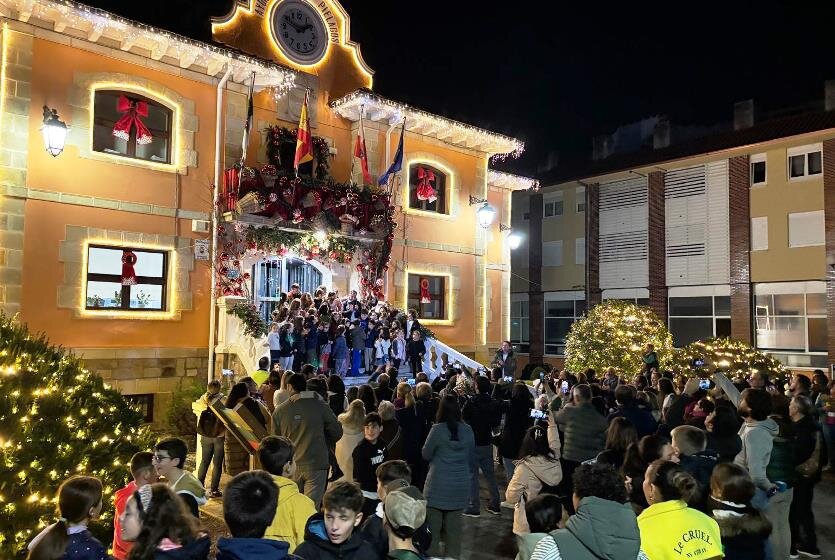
(614, 334)
(56, 420)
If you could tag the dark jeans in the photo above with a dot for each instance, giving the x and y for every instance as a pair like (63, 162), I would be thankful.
(211, 453)
(416, 365)
(801, 517)
(274, 358)
(484, 461)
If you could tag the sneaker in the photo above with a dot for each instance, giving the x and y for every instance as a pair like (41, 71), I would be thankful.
(507, 505)
(809, 553)
(215, 494)
(472, 514)
(494, 511)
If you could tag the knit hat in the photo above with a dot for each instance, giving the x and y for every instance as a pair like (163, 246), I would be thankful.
(405, 507)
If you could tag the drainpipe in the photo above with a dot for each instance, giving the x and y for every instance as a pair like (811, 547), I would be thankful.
(215, 196)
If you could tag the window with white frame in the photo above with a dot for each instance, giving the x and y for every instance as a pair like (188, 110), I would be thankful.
(580, 250)
(792, 323)
(699, 317)
(124, 278)
(806, 229)
(520, 323)
(580, 199)
(553, 207)
(805, 161)
(758, 170)
(759, 233)
(559, 316)
(552, 253)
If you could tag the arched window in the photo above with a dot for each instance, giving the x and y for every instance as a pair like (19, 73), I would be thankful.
(109, 107)
(422, 177)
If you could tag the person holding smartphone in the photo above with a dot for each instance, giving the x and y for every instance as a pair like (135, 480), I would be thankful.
(506, 359)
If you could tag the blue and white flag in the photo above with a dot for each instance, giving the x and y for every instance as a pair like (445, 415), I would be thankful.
(397, 163)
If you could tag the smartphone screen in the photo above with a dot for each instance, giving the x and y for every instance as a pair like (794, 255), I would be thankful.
(537, 414)
(507, 379)
(564, 387)
(411, 382)
(704, 383)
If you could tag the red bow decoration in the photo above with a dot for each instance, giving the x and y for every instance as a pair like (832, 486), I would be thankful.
(425, 190)
(128, 273)
(425, 296)
(131, 111)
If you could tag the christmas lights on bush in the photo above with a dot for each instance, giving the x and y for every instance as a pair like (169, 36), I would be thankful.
(734, 358)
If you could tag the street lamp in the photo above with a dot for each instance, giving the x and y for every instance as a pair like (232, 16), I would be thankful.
(54, 131)
(486, 214)
(514, 238)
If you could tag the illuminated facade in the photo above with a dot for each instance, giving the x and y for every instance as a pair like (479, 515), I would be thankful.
(69, 224)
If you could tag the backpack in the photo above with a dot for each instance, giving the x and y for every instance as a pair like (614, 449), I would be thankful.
(209, 425)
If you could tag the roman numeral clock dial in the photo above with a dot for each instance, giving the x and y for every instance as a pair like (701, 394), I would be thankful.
(299, 31)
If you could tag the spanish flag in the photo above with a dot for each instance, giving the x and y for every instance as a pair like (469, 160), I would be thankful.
(304, 141)
(361, 153)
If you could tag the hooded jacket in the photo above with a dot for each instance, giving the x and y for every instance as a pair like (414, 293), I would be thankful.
(251, 549)
(291, 515)
(312, 427)
(744, 530)
(757, 440)
(601, 529)
(671, 530)
(195, 550)
(317, 546)
(528, 478)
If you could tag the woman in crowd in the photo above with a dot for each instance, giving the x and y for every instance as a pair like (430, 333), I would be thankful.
(283, 392)
(517, 421)
(722, 426)
(235, 456)
(450, 451)
(670, 529)
(391, 434)
(368, 397)
(810, 456)
(538, 470)
(619, 436)
(352, 422)
(337, 401)
(636, 461)
(161, 527)
(666, 393)
(744, 528)
(79, 502)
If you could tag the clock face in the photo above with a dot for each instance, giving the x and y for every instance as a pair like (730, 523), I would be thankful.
(299, 31)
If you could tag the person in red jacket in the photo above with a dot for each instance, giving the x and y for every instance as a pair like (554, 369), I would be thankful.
(143, 472)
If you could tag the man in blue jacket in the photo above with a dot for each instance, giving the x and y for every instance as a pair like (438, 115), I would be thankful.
(628, 407)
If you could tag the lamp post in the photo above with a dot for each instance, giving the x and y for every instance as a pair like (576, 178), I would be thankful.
(54, 132)
(486, 214)
(514, 238)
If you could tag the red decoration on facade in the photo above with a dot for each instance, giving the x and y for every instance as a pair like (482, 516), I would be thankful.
(131, 112)
(425, 296)
(425, 190)
(128, 273)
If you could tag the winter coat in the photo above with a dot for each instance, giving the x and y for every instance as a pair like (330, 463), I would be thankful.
(317, 546)
(251, 549)
(601, 529)
(483, 414)
(584, 429)
(508, 366)
(291, 515)
(345, 450)
(757, 440)
(783, 458)
(374, 531)
(382, 349)
(744, 530)
(81, 544)
(357, 338)
(393, 435)
(807, 432)
(640, 417)
(312, 427)
(530, 474)
(414, 348)
(340, 348)
(413, 431)
(700, 465)
(671, 530)
(726, 447)
(195, 550)
(451, 465)
(516, 423)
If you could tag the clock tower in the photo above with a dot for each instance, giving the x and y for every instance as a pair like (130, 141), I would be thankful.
(311, 36)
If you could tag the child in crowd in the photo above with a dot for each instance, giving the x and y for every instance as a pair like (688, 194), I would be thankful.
(161, 527)
(404, 510)
(369, 454)
(79, 502)
(294, 508)
(142, 471)
(744, 529)
(169, 460)
(392, 475)
(544, 514)
(331, 534)
(689, 443)
(250, 506)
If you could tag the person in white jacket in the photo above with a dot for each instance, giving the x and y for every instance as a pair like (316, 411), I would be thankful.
(352, 422)
(381, 350)
(538, 468)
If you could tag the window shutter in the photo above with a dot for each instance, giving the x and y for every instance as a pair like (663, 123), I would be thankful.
(759, 233)
(552, 253)
(580, 250)
(806, 229)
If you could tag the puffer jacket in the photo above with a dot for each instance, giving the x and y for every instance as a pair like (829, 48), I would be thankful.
(744, 530)
(584, 429)
(291, 515)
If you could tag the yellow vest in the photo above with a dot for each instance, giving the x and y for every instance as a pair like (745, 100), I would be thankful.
(671, 530)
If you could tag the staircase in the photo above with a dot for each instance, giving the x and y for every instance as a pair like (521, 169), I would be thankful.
(231, 340)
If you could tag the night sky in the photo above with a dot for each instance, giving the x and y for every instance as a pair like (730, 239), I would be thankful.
(555, 74)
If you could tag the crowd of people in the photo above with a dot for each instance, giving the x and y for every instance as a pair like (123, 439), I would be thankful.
(593, 464)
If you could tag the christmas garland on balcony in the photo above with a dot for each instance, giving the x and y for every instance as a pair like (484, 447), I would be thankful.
(281, 139)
